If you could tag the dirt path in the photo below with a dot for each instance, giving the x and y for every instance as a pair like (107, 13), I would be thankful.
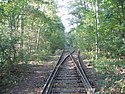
(33, 83)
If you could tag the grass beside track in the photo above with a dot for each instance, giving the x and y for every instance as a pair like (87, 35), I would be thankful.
(111, 76)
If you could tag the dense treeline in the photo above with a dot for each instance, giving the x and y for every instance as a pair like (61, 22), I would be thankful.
(99, 32)
(30, 30)
(100, 27)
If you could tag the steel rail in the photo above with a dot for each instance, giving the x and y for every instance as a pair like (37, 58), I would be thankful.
(79, 70)
(48, 84)
(53, 75)
(79, 60)
(85, 81)
(49, 78)
(92, 90)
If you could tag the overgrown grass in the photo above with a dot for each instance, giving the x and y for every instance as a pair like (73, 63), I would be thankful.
(11, 75)
(111, 78)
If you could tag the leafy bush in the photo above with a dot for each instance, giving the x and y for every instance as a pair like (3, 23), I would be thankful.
(110, 78)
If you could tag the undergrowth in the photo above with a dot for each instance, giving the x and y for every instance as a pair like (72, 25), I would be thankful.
(111, 76)
(12, 75)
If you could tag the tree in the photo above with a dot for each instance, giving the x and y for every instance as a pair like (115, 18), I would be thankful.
(104, 21)
(28, 30)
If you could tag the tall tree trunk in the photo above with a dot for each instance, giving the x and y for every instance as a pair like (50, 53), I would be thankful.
(123, 13)
(120, 6)
(21, 36)
(37, 39)
(21, 30)
(96, 9)
(30, 39)
(97, 33)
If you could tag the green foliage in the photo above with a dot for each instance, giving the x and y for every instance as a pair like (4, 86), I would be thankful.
(110, 76)
(29, 31)
(8, 54)
(100, 25)
(37, 29)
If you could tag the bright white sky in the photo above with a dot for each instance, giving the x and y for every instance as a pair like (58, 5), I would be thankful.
(63, 13)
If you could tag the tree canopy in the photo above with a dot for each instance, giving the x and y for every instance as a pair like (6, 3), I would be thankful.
(31, 30)
(100, 27)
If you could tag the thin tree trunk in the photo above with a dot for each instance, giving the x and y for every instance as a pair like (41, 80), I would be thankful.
(21, 30)
(37, 39)
(30, 39)
(96, 9)
(121, 19)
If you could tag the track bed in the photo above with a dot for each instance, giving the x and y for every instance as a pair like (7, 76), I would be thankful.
(68, 77)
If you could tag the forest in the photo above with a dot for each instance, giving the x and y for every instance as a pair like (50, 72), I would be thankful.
(32, 31)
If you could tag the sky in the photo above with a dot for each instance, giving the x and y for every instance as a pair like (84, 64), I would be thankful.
(63, 13)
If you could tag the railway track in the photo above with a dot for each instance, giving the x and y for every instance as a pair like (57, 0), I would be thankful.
(68, 76)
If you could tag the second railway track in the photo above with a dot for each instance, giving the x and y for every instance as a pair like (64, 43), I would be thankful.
(68, 77)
